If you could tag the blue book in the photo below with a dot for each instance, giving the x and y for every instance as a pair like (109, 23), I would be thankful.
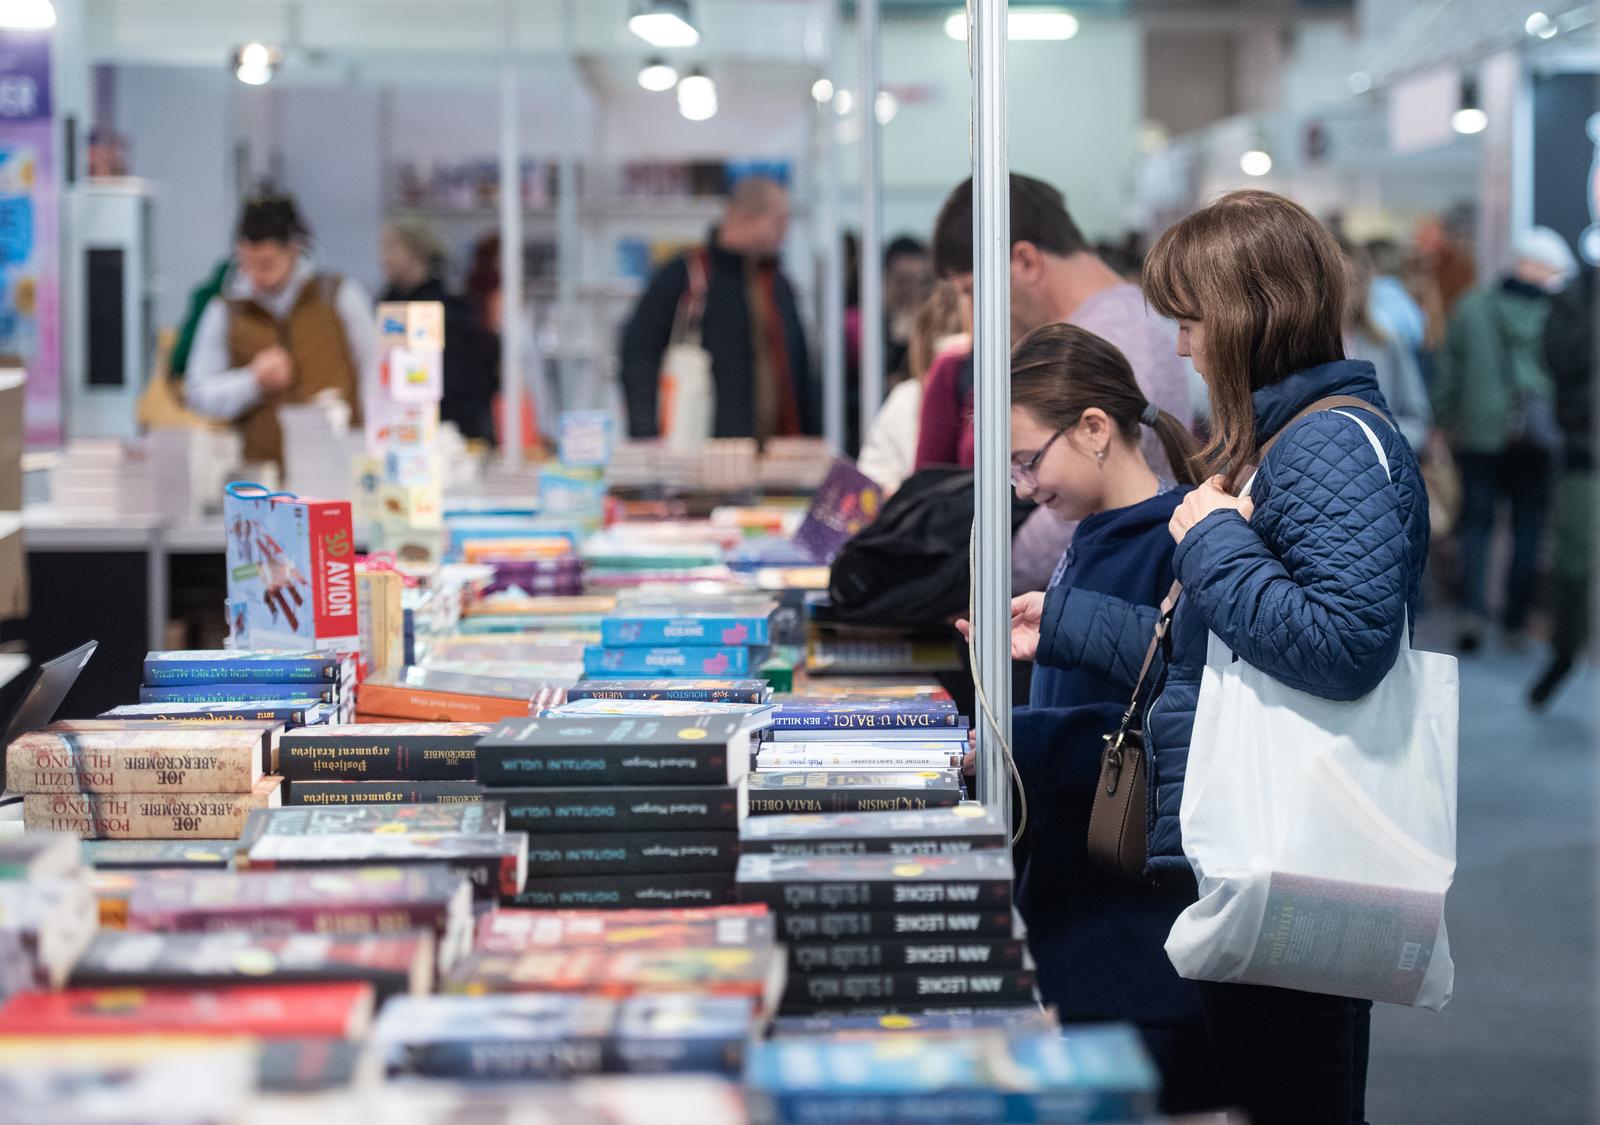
(690, 691)
(869, 715)
(238, 693)
(695, 661)
(231, 666)
(291, 712)
(646, 630)
(685, 1033)
(512, 1036)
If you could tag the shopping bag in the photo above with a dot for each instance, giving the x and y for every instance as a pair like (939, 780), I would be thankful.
(686, 394)
(1322, 834)
(291, 571)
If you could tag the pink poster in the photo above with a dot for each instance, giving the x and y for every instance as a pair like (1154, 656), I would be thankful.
(30, 290)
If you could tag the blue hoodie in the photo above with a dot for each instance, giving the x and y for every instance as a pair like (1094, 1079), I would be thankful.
(1314, 589)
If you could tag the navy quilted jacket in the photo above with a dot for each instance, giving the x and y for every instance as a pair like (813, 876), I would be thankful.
(1315, 589)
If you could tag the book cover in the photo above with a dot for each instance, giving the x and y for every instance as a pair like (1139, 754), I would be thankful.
(866, 715)
(380, 792)
(615, 751)
(130, 760)
(516, 931)
(384, 751)
(951, 831)
(688, 690)
(393, 964)
(667, 660)
(631, 853)
(526, 1036)
(398, 701)
(843, 991)
(149, 816)
(832, 791)
(138, 855)
(757, 974)
(844, 503)
(877, 882)
(339, 1011)
(289, 712)
(626, 892)
(231, 666)
(859, 925)
(321, 691)
(646, 630)
(897, 955)
(641, 808)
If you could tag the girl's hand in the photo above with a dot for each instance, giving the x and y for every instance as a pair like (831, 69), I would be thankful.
(1210, 497)
(1026, 612)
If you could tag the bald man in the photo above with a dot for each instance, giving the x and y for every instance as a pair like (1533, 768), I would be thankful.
(751, 327)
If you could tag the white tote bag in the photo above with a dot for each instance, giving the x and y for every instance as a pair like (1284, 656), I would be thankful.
(1322, 834)
(687, 396)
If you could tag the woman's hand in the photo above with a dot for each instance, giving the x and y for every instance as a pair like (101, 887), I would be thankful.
(1026, 612)
(1210, 497)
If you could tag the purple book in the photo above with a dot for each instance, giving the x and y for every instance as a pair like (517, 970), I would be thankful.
(846, 501)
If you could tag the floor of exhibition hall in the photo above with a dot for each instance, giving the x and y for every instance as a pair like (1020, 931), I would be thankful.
(1516, 1041)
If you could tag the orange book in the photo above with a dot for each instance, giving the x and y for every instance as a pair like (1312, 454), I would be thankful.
(330, 1010)
(514, 550)
(388, 702)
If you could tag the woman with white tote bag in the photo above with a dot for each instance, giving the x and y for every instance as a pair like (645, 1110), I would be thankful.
(1302, 591)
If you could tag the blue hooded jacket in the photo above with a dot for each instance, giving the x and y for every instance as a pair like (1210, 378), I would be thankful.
(1315, 589)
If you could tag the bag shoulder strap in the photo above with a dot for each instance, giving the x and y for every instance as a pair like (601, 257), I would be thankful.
(692, 301)
(1332, 402)
(1160, 633)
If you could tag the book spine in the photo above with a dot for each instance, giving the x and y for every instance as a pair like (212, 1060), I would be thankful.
(632, 853)
(865, 924)
(316, 757)
(789, 717)
(385, 982)
(646, 632)
(238, 693)
(694, 661)
(657, 808)
(846, 800)
(685, 695)
(289, 716)
(674, 1054)
(342, 919)
(381, 792)
(395, 702)
(897, 956)
(880, 845)
(180, 673)
(333, 578)
(854, 760)
(62, 765)
(856, 894)
(623, 892)
(501, 1059)
(506, 766)
(847, 990)
(170, 816)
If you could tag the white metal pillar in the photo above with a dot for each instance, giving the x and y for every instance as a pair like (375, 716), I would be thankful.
(832, 319)
(991, 278)
(871, 80)
(569, 264)
(510, 243)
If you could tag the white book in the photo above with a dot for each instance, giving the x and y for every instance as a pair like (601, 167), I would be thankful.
(875, 736)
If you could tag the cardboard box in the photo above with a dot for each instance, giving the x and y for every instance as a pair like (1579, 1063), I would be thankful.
(11, 433)
(13, 568)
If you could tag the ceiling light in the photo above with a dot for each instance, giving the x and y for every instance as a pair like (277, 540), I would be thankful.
(844, 101)
(1256, 162)
(1359, 82)
(697, 97)
(657, 76)
(664, 23)
(822, 91)
(1032, 23)
(887, 106)
(27, 15)
(255, 63)
(1469, 121)
(1541, 26)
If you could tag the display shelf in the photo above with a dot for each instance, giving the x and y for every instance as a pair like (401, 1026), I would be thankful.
(50, 529)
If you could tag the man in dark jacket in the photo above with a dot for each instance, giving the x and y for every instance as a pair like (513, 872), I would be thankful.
(750, 327)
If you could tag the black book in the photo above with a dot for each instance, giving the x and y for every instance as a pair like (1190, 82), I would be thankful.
(916, 990)
(394, 963)
(877, 882)
(838, 791)
(631, 853)
(136, 855)
(946, 831)
(381, 792)
(306, 1066)
(615, 750)
(901, 956)
(647, 808)
(380, 751)
(622, 892)
(859, 925)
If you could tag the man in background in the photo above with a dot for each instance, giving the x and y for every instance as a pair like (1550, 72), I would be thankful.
(750, 326)
(279, 332)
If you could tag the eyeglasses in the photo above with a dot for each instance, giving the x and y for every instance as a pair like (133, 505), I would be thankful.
(1027, 472)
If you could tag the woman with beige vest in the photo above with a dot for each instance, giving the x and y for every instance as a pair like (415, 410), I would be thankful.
(280, 332)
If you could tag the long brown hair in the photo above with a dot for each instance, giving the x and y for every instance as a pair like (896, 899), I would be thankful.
(1061, 370)
(937, 319)
(1267, 281)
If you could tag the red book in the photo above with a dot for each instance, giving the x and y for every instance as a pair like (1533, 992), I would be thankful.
(340, 1011)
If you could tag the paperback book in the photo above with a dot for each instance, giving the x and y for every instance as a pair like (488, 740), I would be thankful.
(298, 693)
(627, 892)
(952, 831)
(687, 690)
(380, 792)
(289, 712)
(144, 855)
(834, 791)
(644, 630)
(642, 808)
(231, 666)
(387, 751)
(867, 715)
(669, 660)
(340, 1011)
(615, 751)
(517, 931)
(877, 882)
(845, 991)
(631, 853)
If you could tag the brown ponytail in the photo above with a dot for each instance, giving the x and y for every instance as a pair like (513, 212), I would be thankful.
(1061, 370)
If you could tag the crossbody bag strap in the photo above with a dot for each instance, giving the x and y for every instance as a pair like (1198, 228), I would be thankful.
(1159, 634)
(692, 301)
(1332, 402)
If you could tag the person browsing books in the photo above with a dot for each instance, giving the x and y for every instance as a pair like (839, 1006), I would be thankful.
(1077, 420)
(1310, 580)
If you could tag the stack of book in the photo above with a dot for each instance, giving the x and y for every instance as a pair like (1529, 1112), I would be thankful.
(380, 763)
(470, 838)
(214, 676)
(621, 811)
(682, 690)
(876, 930)
(560, 616)
(132, 780)
(707, 643)
(864, 735)
(48, 912)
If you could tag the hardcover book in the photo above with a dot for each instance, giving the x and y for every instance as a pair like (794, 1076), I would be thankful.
(631, 853)
(339, 1011)
(877, 882)
(626, 892)
(832, 791)
(380, 792)
(232, 666)
(687, 690)
(667, 660)
(320, 691)
(392, 751)
(289, 712)
(646, 630)
(639, 808)
(711, 750)
(130, 760)
(952, 831)
(149, 816)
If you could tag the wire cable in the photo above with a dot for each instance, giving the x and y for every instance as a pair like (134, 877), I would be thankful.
(984, 707)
